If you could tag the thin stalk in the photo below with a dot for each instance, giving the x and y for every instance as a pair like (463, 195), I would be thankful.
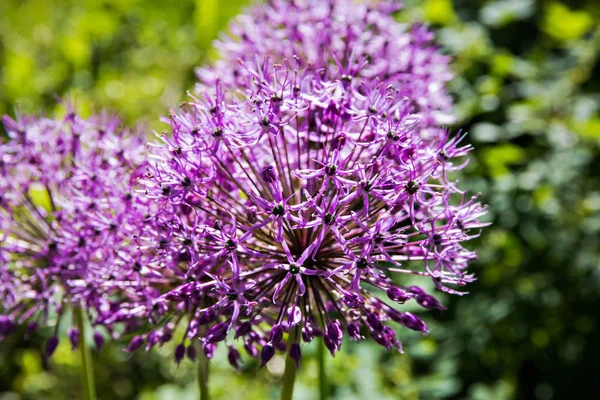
(323, 390)
(87, 368)
(203, 375)
(289, 374)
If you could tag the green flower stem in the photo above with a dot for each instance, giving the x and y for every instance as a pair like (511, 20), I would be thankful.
(322, 373)
(289, 374)
(203, 374)
(87, 368)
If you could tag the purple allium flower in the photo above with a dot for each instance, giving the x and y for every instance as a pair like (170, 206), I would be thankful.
(284, 201)
(361, 40)
(68, 222)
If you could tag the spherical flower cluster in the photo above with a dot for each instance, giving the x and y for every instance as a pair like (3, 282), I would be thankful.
(359, 38)
(68, 223)
(288, 202)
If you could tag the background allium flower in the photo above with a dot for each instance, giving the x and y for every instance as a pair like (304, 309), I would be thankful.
(286, 201)
(359, 37)
(68, 221)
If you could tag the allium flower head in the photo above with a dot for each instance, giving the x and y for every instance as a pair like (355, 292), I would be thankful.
(289, 202)
(67, 221)
(361, 39)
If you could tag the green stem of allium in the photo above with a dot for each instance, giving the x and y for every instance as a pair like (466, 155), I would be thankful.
(203, 374)
(87, 368)
(289, 374)
(322, 373)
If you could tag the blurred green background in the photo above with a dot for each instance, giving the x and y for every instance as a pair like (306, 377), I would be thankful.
(528, 91)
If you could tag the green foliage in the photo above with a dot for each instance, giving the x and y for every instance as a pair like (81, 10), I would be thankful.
(527, 88)
(136, 57)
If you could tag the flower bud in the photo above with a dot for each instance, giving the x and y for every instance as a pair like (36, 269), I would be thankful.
(73, 335)
(276, 334)
(243, 329)
(217, 333)
(294, 315)
(233, 356)
(267, 352)
(374, 322)
(209, 350)
(397, 295)
(353, 329)
(251, 349)
(191, 352)
(179, 353)
(411, 321)
(429, 302)
(308, 334)
(98, 340)
(51, 346)
(135, 344)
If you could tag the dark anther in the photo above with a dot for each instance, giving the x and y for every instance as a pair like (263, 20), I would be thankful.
(412, 187)
(137, 267)
(128, 196)
(329, 219)
(276, 98)
(166, 191)
(278, 210)
(162, 244)
(373, 110)
(112, 227)
(265, 122)
(362, 263)
(232, 296)
(81, 242)
(52, 246)
(218, 132)
(366, 185)
(213, 110)
(297, 88)
(230, 245)
(194, 131)
(186, 182)
(330, 170)
(294, 269)
(187, 242)
(177, 150)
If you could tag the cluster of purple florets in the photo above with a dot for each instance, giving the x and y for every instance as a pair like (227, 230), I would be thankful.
(67, 221)
(307, 176)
